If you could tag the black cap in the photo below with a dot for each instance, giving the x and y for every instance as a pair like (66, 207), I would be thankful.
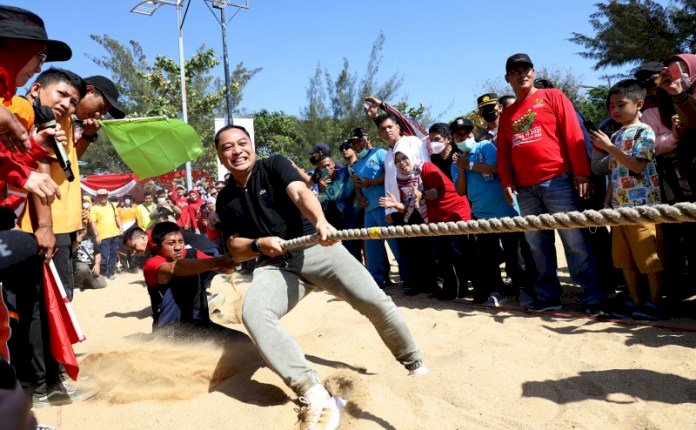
(645, 70)
(487, 99)
(359, 133)
(320, 147)
(460, 124)
(345, 144)
(108, 89)
(516, 60)
(16, 23)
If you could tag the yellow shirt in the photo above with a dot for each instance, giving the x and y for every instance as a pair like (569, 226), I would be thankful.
(66, 211)
(105, 219)
(129, 216)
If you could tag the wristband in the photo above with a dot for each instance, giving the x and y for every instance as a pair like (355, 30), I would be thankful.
(44, 226)
(255, 246)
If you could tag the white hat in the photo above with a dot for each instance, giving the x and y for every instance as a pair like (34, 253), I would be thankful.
(102, 192)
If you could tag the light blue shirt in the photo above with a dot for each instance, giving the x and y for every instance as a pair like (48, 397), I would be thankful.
(371, 167)
(484, 191)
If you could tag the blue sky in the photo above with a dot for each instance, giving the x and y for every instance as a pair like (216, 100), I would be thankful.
(445, 50)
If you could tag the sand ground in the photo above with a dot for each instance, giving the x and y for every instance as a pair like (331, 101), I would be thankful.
(492, 369)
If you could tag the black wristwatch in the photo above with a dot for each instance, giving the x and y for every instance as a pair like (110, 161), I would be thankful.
(255, 246)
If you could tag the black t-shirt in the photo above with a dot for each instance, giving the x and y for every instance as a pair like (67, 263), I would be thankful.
(263, 208)
(445, 164)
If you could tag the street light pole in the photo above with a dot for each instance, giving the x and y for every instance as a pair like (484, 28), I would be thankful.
(148, 8)
(221, 5)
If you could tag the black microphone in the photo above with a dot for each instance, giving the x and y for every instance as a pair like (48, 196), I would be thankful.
(45, 118)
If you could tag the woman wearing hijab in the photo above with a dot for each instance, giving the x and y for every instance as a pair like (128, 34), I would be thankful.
(427, 195)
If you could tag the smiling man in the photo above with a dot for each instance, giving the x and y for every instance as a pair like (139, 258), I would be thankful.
(264, 203)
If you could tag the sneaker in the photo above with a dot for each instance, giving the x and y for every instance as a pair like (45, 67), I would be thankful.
(421, 370)
(44, 427)
(544, 306)
(40, 400)
(215, 302)
(651, 312)
(63, 394)
(624, 309)
(321, 414)
(495, 300)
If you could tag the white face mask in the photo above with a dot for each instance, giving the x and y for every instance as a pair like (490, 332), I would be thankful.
(161, 200)
(85, 205)
(127, 202)
(437, 147)
(467, 145)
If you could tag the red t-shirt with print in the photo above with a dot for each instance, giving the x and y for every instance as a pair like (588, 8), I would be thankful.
(540, 138)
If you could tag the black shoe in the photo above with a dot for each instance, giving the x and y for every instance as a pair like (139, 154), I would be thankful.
(544, 306)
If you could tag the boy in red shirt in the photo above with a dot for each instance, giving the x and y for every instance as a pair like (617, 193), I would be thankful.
(542, 160)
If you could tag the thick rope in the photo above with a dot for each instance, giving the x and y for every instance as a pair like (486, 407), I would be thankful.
(657, 214)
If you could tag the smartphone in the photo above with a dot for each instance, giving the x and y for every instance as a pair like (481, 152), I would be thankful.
(675, 71)
(324, 173)
(352, 174)
(590, 126)
(367, 105)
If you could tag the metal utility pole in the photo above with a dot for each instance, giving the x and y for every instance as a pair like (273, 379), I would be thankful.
(148, 8)
(221, 5)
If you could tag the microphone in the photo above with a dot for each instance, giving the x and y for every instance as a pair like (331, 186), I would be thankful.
(45, 118)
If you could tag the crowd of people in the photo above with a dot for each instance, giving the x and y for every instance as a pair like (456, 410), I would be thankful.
(535, 154)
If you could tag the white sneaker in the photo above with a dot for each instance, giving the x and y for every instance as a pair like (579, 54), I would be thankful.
(321, 414)
(215, 302)
(422, 370)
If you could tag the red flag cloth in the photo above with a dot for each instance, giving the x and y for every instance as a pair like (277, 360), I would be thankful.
(62, 327)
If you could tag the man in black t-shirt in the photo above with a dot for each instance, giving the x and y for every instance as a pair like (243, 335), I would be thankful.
(264, 203)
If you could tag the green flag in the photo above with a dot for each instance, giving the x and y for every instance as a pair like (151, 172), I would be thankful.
(153, 146)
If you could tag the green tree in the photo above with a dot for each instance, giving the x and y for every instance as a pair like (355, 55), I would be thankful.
(594, 104)
(334, 105)
(628, 32)
(154, 89)
(278, 133)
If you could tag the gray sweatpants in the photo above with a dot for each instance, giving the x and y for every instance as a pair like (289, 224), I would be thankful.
(278, 286)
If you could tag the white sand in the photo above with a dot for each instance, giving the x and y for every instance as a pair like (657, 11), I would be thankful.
(490, 369)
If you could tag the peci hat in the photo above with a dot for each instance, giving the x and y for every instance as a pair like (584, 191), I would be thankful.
(516, 60)
(320, 147)
(102, 192)
(488, 99)
(461, 124)
(17, 23)
(108, 89)
(645, 70)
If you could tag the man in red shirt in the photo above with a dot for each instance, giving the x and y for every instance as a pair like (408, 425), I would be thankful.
(542, 160)
(176, 278)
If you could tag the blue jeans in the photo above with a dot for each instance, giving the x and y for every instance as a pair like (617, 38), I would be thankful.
(552, 196)
(109, 252)
(375, 254)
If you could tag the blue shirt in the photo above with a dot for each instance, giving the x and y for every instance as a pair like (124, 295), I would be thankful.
(371, 167)
(484, 191)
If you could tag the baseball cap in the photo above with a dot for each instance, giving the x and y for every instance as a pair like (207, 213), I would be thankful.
(359, 133)
(517, 60)
(461, 124)
(320, 147)
(348, 143)
(108, 89)
(487, 99)
(645, 70)
(17, 23)
(102, 192)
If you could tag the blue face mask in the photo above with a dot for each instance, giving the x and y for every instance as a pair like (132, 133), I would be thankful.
(362, 154)
(467, 145)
